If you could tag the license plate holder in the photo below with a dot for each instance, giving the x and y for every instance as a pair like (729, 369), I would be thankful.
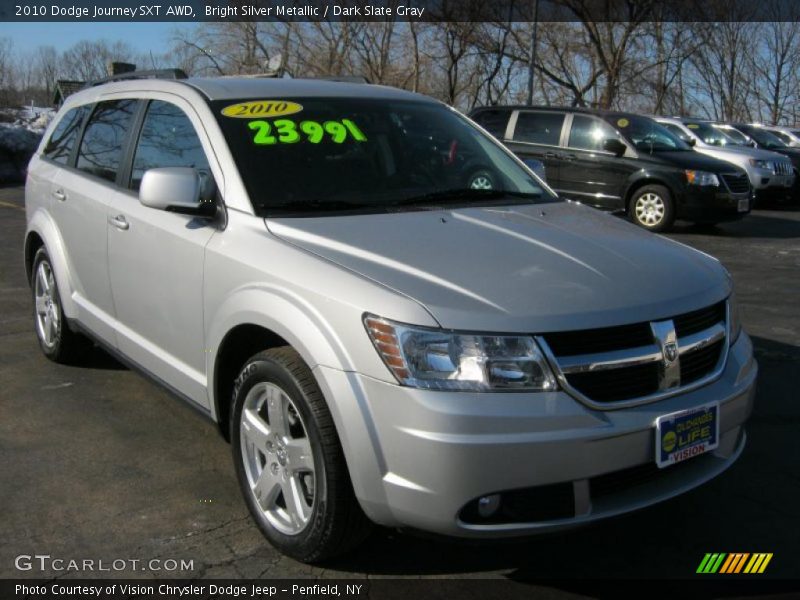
(744, 204)
(686, 434)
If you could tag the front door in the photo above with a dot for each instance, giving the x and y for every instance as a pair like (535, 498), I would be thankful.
(156, 260)
(588, 172)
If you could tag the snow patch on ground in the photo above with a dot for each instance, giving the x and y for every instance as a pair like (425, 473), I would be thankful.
(21, 129)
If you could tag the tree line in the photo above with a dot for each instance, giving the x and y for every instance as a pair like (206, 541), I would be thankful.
(722, 70)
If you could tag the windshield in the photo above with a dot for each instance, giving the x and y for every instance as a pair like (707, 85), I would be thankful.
(645, 134)
(737, 137)
(302, 156)
(710, 134)
(764, 138)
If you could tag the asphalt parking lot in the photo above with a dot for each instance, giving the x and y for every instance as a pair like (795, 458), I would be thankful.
(99, 462)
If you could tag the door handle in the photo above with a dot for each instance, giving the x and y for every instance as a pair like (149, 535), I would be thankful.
(569, 157)
(60, 195)
(120, 222)
(550, 155)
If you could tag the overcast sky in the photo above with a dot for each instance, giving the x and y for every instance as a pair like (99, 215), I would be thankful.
(143, 37)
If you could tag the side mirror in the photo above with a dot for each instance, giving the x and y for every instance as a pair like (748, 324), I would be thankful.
(690, 141)
(175, 189)
(614, 146)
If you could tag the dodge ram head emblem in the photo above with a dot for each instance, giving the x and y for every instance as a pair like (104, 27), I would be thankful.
(671, 351)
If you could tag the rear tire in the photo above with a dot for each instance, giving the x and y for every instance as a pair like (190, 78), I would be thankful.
(652, 208)
(289, 460)
(57, 341)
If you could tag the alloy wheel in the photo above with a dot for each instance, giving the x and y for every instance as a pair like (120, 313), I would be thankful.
(481, 182)
(48, 312)
(649, 209)
(278, 458)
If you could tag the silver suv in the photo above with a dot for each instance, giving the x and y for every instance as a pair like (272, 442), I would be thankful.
(771, 174)
(309, 264)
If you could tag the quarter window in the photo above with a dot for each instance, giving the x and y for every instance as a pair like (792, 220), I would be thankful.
(539, 128)
(101, 149)
(168, 139)
(59, 146)
(493, 121)
(589, 134)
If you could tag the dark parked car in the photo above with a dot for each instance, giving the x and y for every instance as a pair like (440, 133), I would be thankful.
(622, 162)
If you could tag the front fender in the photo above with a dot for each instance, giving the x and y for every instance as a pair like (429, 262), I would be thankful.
(307, 331)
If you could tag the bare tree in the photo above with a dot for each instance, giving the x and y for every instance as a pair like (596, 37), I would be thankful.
(778, 71)
(88, 60)
(7, 82)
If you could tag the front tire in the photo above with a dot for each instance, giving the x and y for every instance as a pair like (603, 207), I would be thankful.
(57, 341)
(652, 207)
(289, 461)
(482, 179)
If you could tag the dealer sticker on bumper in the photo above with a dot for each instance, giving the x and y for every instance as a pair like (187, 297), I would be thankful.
(685, 434)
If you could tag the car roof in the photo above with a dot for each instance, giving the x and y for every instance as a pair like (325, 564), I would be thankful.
(228, 88)
(577, 109)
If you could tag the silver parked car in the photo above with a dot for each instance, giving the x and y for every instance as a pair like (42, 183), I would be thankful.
(771, 174)
(307, 263)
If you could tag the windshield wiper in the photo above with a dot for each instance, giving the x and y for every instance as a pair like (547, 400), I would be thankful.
(316, 206)
(461, 196)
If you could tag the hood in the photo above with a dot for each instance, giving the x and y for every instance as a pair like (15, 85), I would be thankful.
(690, 159)
(746, 153)
(533, 268)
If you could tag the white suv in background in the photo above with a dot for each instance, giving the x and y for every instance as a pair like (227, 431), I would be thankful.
(771, 174)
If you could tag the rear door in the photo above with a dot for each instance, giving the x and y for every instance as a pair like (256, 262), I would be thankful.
(538, 135)
(82, 194)
(588, 173)
(156, 257)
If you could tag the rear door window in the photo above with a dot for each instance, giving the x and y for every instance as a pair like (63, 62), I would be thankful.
(539, 128)
(493, 121)
(59, 146)
(587, 133)
(168, 139)
(104, 139)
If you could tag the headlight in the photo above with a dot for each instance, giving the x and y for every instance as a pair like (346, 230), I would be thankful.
(762, 164)
(701, 178)
(445, 360)
(735, 324)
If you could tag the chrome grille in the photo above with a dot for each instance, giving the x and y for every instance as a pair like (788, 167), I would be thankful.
(782, 167)
(737, 183)
(641, 362)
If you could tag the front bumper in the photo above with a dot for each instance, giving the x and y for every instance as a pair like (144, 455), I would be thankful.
(439, 451)
(711, 205)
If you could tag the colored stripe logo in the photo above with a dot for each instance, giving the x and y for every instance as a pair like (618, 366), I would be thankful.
(735, 562)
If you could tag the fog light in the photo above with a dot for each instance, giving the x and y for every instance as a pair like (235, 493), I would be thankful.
(488, 505)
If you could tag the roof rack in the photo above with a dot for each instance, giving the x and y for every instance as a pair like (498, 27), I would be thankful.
(152, 74)
(341, 78)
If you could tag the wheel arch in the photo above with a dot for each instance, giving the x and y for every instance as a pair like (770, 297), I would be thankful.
(258, 318)
(43, 233)
(641, 182)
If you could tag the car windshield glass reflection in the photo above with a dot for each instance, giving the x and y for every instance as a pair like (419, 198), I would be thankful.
(324, 155)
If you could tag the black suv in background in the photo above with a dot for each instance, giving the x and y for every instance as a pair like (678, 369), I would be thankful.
(622, 162)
